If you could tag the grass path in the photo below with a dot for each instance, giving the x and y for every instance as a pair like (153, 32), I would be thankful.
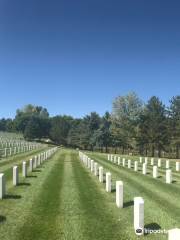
(68, 204)
(63, 200)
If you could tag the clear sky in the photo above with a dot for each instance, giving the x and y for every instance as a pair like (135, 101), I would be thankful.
(74, 57)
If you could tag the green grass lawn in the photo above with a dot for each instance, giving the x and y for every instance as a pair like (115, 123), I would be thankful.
(62, 199)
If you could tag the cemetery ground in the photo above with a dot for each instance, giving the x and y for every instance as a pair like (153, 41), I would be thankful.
(62, 199)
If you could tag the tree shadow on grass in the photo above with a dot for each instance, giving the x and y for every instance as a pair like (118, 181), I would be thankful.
(128, 204)
(159, 177)
(37, 170)
(24, 184)
(31, 176)
(12, 196)
(151, 226)
(2, 219)
(174, 181)
(113, 190)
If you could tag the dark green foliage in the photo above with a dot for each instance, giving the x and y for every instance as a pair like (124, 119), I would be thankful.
(7, 125)
(132, 127)
(60, 126)
(37, 127)
(174, 120)
(153, 126)
(33, 122)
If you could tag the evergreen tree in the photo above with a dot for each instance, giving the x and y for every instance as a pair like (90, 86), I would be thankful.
(153, 125)
(175, 123)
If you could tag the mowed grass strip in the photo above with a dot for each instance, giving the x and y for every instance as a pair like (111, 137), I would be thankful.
(55, 212)
(69, 219)
(41, 222)
(100, 218)
(16, 209)
(161, 200)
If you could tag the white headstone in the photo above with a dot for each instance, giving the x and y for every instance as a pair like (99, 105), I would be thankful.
(35, 162)
(129, 163)
(168, 176)
(139, 215)
(89, 163)
(152, 161)
(101, 174)
(108, 182)
(124, 162)
(159, 162)
(119, 194)
(119, 160)
(95, 169)
(15, 176)
(177, 166)
(140, 159)
(31, 165)
(167, 163)
(144, 168)
(92, 165)
(24, 169)
(146, 160)
(136, 166)
(174, 234)
(155, 171)
(2, 186)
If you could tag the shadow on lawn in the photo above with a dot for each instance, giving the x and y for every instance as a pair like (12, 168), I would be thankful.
(11, 196)
(24, 184)
(37, 170)
(31, 176)
(113, 190)
(128, 204)
(151, 226)
(2, 219)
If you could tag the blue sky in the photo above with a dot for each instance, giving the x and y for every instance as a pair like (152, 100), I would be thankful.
(74, 57)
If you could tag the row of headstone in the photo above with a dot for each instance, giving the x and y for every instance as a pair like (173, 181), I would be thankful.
(33, 163)
(144, 168)
(159, 163)
(16, 150)
(115, 159)
(99, 171)
(173, 234)
(16, 143)
(138, 201)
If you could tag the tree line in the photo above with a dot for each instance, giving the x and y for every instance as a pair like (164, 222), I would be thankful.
(133, 127)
